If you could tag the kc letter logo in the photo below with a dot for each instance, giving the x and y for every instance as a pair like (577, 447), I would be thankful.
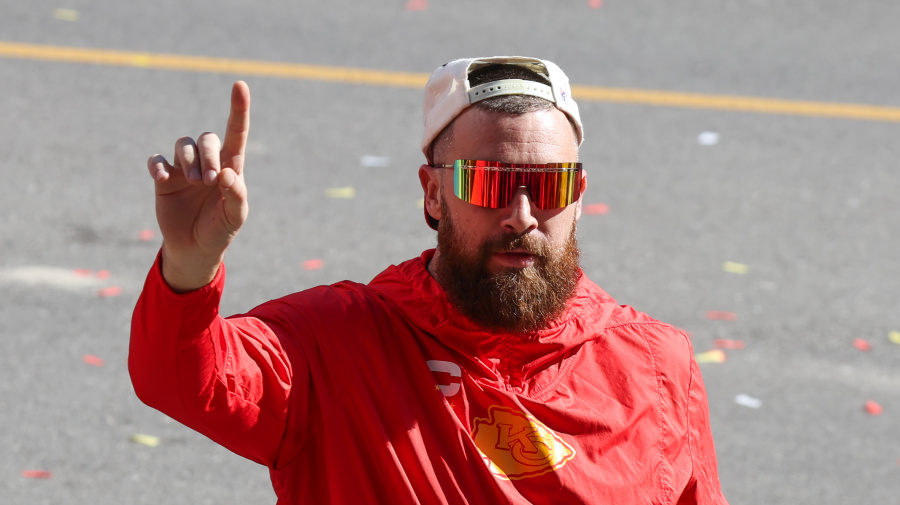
(517, 446)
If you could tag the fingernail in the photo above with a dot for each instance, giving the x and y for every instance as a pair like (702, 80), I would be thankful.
(209, 176)
(194, 174)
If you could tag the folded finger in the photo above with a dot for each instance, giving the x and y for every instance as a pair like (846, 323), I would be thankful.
(187, 158)
(208, 146)
(159, 168)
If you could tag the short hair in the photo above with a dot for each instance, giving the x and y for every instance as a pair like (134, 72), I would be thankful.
(513, 105)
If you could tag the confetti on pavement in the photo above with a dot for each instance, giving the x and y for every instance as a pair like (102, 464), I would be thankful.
(596, 208)
(375, 161)
(735, 268)
(894, 337)
(36, 474)
(347, 192)
(862, 345)
(148, 440)
(66, 15)
(109, 292)
(724, 343)
(146, 235)
(92, 360)
(420, 203)
(713, 356)
(595, 4)
(873, 408)
(416, 5)
(81, 272)
(748, 401)
(313, 264)
(103, 274)
(708, 138)
(716, 315)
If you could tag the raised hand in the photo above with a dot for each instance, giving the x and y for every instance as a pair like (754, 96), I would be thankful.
(201, 198)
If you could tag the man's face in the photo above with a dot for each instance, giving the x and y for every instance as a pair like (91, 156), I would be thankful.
(512, 268)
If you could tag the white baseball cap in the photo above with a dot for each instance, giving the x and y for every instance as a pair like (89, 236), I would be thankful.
(448, 92)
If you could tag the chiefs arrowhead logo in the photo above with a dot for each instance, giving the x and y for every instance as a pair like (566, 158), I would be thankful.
(518, 446)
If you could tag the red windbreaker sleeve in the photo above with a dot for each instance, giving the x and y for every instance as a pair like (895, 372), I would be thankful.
(228, 379)
(704, 488)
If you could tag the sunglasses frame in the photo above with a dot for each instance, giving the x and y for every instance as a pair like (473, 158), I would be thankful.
(496, 198)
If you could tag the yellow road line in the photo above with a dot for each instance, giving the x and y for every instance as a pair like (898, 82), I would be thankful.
(416, 80)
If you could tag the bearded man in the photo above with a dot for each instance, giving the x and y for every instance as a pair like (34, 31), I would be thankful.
(489, 370)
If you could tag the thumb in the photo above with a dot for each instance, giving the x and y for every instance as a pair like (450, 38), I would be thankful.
(234, 194)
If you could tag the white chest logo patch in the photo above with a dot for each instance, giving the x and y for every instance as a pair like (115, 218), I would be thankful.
(441, 370)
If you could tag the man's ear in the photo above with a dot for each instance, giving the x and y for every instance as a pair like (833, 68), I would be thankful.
(429, 177)
(581, 197)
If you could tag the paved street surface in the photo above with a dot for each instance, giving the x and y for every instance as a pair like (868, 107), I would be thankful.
(804, 207)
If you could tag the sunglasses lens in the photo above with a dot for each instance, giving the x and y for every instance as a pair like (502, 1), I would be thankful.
(493, 184)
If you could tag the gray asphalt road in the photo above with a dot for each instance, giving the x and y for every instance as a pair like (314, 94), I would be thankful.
(807, 204)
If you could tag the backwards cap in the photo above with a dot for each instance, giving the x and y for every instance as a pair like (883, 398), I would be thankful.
(448, 92)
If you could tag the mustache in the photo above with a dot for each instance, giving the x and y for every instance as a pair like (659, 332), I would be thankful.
(511, 241)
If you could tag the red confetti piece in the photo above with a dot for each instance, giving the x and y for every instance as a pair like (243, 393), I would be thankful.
(595, 4)
(862, 345)
(83, 272)
(416, 5)
(723, 343)
(873, 408)
(110, 291)
(314, 264)
(596, 208)
(147, 235)
(36, 474)
(103, 274)
(92, 360)
(715, 315)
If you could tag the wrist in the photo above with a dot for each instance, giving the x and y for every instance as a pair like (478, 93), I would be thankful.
(184, 273)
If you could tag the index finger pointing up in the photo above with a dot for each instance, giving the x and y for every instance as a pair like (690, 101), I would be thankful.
(238, 128)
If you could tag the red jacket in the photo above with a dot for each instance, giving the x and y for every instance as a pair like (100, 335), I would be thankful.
(384, 393)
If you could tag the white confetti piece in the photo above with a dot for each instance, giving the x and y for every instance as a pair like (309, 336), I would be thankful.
(748, 401)
(708, 138)
(375, 161)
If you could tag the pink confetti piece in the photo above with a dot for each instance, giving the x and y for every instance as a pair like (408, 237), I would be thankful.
(873, 408)
(92, 360)
(110, 291)
(103, 274)
(595, 4)
(146, 235)
(313, 264)
(83, 272)
(862, 345)
(36, 474)
(596, 208)
(723, 343)
(715, 315)
(416, 5)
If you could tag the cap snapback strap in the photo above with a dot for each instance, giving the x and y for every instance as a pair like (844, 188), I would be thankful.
(510, 87)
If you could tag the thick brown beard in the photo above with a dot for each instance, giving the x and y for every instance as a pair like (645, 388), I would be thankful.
(514, 300)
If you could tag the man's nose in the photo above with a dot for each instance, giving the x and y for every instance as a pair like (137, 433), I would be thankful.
(518, 214)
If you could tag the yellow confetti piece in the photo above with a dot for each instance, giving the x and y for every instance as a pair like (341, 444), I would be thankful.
(420, 203)
(347, 192)
(66, 15)
(714, 356)
(894, 337)
(148, 440)
(735, 268)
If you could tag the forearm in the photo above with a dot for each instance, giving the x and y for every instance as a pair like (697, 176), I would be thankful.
(206, 372)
